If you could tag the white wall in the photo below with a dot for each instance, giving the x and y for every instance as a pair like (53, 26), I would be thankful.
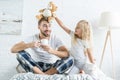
(70, 12)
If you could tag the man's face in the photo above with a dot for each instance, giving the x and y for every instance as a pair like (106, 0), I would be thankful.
(45, 28)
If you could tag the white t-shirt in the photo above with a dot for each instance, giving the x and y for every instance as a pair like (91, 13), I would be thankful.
(39, 55)
(77, 51)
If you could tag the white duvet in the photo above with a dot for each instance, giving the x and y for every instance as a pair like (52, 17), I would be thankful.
(94, 74)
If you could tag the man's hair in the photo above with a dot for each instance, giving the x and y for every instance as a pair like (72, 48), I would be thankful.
(42, 19)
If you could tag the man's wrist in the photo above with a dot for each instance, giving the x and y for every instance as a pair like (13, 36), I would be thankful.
(52, 51)
(30, 45)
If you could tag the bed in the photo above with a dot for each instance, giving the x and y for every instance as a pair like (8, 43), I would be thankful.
(31, 76)
(97, 74)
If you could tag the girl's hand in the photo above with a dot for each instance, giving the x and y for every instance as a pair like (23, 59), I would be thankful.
(54, 15)
(94, 61)
(82, 72)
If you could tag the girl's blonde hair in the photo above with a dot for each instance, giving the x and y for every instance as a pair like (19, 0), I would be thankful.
(86, 31)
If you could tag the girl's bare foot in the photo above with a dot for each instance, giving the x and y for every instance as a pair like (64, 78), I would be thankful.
(82, 72)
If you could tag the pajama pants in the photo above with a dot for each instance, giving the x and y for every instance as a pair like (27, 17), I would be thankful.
(28, 63)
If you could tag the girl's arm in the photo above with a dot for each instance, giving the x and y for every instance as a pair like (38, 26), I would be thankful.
(66, 29)
(90, 55)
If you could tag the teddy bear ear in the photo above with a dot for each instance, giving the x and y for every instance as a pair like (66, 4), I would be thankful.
(51, 2)
(41, 10)
(39, 17)
(54, 7)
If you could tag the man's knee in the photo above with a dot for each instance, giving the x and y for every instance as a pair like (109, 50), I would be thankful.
(25, 60)
(23, 54)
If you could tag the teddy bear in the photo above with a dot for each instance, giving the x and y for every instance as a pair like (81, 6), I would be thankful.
(47, 12)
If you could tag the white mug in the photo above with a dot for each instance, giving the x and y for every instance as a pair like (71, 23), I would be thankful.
(44, 41)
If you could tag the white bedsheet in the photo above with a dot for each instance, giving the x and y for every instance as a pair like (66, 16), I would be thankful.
(94, 74)
(31, 76)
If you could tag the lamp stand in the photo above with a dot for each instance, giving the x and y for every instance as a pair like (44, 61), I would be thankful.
(108, 36)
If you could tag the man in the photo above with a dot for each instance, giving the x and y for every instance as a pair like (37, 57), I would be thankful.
(46, 59)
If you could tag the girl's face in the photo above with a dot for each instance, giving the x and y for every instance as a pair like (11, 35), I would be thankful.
(78, 31)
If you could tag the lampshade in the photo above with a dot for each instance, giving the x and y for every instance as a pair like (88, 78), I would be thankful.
(110, 20)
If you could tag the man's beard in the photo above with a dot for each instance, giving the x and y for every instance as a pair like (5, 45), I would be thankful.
(46, 35)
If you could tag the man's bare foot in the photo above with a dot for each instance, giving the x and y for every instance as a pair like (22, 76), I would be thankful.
(51, 71)
(38, 71)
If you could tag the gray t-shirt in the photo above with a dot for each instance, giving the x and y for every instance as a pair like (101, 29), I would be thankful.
(77, 51)
(39, 54)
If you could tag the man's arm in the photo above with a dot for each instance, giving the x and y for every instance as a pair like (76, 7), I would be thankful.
(22, 46)
(61, 52)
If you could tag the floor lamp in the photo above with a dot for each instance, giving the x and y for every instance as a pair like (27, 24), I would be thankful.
(109, 21)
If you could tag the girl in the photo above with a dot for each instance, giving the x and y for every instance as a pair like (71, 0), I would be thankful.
(80, 42)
